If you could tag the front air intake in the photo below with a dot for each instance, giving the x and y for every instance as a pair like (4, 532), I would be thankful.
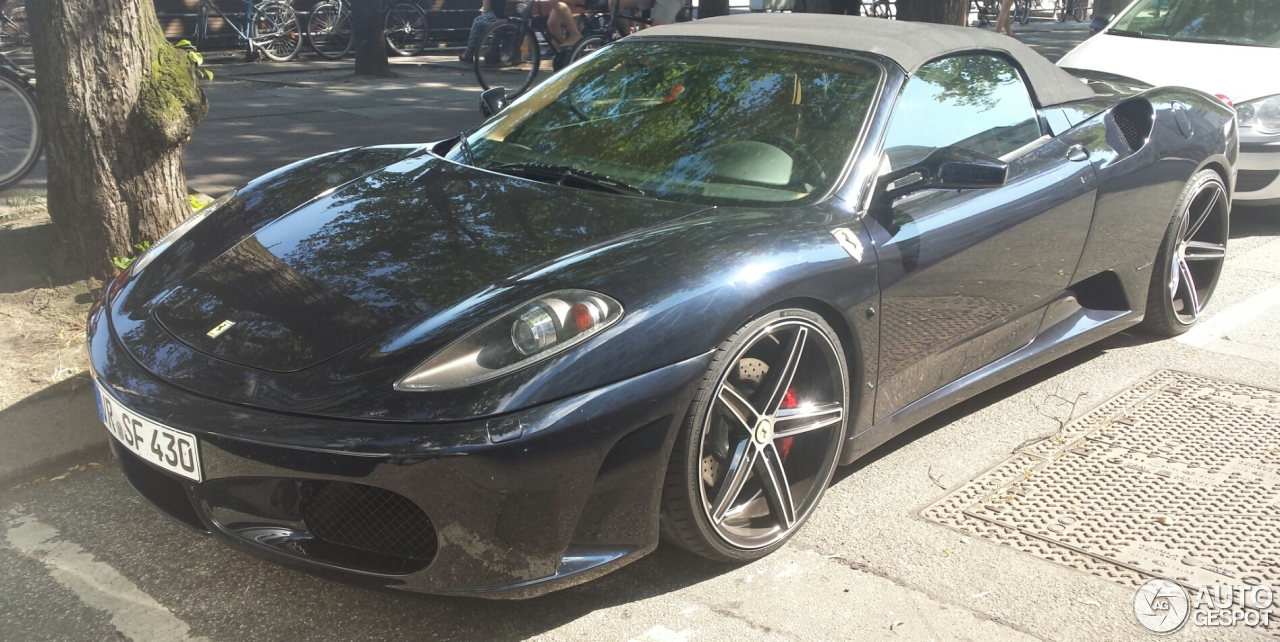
(370, 519)
(1133, 119)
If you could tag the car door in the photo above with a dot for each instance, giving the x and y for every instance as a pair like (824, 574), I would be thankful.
(965, 275)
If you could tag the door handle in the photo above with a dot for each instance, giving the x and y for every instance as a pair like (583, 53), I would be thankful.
(1077, 153)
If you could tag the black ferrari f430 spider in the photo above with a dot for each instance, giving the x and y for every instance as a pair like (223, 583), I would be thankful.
(663, 294)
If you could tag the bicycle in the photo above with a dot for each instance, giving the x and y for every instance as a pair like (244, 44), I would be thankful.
(1078, 9)
(13, 27)
(329, 28)
(879, 9)
(21, 142)
(510, 50)
(602, 27)
(270, 27)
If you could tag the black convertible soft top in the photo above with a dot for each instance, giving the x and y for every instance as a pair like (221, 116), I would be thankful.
(910, 44)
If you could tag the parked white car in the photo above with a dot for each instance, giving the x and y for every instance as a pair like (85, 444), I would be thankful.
(1229, 48)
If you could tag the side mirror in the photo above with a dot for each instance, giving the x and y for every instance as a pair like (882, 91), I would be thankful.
(1100, 22)
(492, 100)
(946, 168)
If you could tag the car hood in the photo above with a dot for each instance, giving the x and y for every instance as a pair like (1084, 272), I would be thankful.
(396, 245)
(1234, 71)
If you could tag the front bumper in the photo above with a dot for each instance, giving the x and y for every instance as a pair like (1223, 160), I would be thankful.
(1258, 180)
(519, 505)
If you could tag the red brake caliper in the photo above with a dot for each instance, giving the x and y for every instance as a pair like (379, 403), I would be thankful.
(789, 401)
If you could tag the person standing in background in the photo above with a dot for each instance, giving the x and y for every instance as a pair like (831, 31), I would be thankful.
(488, 15)
(1005, 21)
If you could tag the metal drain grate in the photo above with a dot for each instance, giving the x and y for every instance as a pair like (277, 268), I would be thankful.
(1176, 477)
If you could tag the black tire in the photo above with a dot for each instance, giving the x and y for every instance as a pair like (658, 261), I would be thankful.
(329, 29)
(508, 56)
(406, 29)
(587, 46)
(277, 32)
(1079, 10)
(22, 143)
(704, 511)
(1190, 258)
(1022, 11)
(1060, 10)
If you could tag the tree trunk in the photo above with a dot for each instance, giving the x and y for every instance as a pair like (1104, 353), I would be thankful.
(712, 8)
(117, 103)
(946, 12)
(370, 40)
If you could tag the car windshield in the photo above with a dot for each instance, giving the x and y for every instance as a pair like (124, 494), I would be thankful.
(700, 122)
(1232, 22)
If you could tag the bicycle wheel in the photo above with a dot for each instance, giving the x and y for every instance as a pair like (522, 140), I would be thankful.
(1059, 11)
(276, 31)
(587, 46)
(508, 56)
(1080, 9)
(1022, 11)
(20, 141)
(406, 26)
(329, 29)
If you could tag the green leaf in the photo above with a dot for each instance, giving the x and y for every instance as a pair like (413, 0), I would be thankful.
(122, 262)
(184, 44)
(198, 201)
(196, 57)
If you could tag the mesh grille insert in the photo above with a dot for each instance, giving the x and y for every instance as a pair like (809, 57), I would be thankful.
(370, 519)
(1134, 120)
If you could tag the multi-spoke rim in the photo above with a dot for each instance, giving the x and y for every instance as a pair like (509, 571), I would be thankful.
(770, 441)
(1197, 258)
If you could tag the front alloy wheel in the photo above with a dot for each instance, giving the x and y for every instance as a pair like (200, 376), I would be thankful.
(761, 441)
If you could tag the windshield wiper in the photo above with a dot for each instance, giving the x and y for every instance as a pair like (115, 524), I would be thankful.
(466, 148)
(562, 174)
(1135, 34)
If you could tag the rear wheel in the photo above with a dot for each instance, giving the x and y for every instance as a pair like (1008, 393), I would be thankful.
(761, 440)
(1060, 10)
(1022, 11)
(1080, 9)
(406, 29)
(508, 56)
(1190, 260)
(277, 33)
(330, 29)
(20, 142)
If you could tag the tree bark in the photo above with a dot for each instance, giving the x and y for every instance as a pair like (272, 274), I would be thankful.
(117, 103)
(712, 8)
(947, 12)
(370, 40)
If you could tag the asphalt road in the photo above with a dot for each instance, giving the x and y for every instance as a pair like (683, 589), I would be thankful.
(82, 558)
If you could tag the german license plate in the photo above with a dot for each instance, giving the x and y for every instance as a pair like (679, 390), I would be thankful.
(173, 450)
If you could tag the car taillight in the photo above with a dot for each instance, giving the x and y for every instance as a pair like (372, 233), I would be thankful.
(1226, 100)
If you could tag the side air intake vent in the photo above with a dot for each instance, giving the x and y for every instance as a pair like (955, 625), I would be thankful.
(370, 519)
(1133, 119)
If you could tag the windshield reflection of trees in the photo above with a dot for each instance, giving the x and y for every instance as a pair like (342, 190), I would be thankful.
(655, 107)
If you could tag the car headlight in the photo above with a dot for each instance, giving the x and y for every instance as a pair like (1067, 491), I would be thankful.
(1263, 115)
(176, 233)
(520, 337)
